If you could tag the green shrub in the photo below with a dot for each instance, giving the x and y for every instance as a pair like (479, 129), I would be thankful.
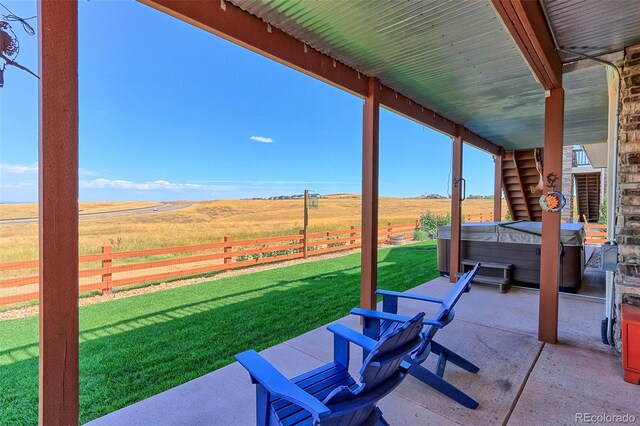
(420, 236)
(429, 222)
(603, 211)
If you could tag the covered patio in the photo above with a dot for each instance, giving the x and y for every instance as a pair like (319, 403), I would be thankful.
(518, 374)
(501, 75)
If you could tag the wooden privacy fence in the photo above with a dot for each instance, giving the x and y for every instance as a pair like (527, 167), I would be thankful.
(107, 270)
(595, 233)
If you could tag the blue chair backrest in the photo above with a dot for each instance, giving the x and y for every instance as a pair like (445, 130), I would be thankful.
(386, 357)
(381, 370)
(454, 295)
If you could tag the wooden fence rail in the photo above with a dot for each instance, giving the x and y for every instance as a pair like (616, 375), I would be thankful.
(595, 233)
(117, 269)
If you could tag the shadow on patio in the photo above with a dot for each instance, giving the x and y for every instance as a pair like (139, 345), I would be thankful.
(521, 381)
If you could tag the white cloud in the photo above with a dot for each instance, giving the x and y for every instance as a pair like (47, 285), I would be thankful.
(142, 186)
(85, 172)
(20, 169)
(27, 184)
(155, 185)
(261, 139)
(17, 169)
(282, 182)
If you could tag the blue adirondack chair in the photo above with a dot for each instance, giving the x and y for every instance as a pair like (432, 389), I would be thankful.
(376, 324)
(329, 395)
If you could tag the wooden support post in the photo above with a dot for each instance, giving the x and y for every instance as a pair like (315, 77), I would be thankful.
(58, 205)
(306, 222)
(106, 277)
(497, 189)
(456, 205)
(369, 233)
(550, 245)
(228, 249)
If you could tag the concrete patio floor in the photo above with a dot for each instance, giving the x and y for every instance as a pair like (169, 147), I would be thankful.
(521, 381)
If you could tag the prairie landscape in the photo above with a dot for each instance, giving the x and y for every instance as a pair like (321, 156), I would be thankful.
(209, 221)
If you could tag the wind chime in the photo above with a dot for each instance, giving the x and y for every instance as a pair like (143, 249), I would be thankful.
(9, 45)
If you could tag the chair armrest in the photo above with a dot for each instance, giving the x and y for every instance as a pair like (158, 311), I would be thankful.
(435, 323)
(410, 296)
(393, 317)
(275, 383)
(352, 336)
(386, 316)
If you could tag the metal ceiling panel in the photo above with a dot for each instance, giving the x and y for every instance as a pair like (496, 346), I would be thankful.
(593, 27)
(453, 57)
(586, 106)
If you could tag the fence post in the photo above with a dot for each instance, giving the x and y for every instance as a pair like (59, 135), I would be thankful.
(227, 249)
(106, 277)
(352, 235)
(305, 242)
(389, 230)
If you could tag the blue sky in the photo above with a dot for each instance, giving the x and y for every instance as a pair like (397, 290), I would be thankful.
(170, 112)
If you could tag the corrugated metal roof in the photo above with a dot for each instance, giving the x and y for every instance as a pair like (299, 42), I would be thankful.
(453, 57)
(586, 106)
(594, 27)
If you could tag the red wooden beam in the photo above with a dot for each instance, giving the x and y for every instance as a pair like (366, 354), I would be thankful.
(369, 235)
(481, 143)
(497, 189)
(238, 26)
(58, 188)
(404, 106)
(550, 245)
(456, 205)
(525, 21)
(234, 24)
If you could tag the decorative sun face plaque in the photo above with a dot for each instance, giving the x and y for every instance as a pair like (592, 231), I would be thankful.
(552, 201)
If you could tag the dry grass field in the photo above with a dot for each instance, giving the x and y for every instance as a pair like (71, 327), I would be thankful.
(16, 211)
(209, 221)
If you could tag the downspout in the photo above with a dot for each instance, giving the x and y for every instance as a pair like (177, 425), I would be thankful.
(612, 160)
(612, 196)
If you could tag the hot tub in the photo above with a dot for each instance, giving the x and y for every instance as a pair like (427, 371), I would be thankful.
(517, 243)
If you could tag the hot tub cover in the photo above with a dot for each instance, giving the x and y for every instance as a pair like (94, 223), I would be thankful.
(571, 234)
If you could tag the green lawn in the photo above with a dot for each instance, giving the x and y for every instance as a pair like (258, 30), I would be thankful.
(136, 347)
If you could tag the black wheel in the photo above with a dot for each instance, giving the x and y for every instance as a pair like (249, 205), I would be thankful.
(603, 331)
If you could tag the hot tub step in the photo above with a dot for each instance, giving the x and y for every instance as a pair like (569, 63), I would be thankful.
(489, 265)
(503, 283)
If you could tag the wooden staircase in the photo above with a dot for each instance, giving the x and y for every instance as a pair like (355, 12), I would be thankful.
(519, 174)
(588, 194)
